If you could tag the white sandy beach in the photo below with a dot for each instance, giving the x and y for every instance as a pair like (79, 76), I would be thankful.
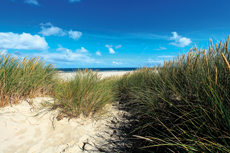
(26, 128)
(70, 75)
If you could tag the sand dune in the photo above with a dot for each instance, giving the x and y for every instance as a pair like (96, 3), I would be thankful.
(29, 128)
(23, 130)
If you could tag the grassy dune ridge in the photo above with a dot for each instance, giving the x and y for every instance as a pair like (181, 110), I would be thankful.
(21, 79)
(182, 108)
(185, 107)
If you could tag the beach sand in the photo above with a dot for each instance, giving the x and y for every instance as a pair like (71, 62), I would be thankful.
(70, 75)
(26, 128)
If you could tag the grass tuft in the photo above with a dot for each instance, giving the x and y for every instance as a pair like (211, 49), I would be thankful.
(24, 79)
(86, 94)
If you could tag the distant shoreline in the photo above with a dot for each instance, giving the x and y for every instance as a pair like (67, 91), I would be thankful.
(69, 70)
(104, 74)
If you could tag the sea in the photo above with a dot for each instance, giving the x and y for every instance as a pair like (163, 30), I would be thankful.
(96, 69)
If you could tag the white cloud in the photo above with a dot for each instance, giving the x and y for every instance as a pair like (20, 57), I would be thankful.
(179, 40)
(98, 53)
(33, 2)
(27, 41)
(167, 56)
(118, 46)
(152, 62)
(18, 54)
(109, 46)
(61, 56)
(46, 24)
(75, 34)
(48, 30)
(72, 1)
(117, 63)
(60, 48)
(68, 57)
(65, 55)
(161, 48)
(3, 51)
(82, 50)
(111, 51)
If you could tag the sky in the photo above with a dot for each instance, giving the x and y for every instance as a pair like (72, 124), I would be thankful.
(110, 33)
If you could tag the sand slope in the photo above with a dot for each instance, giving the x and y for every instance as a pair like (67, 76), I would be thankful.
(21, 131)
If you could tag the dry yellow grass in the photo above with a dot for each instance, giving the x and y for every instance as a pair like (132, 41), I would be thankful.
(216, 75)
(226, 63)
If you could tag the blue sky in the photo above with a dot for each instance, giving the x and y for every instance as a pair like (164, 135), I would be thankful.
(110, 33)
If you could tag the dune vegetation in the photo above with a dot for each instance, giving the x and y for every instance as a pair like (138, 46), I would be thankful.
(22, 79)
(185, 107)
(86, 94)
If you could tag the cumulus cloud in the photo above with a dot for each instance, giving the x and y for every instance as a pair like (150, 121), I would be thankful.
(179, 40)
(27, 41)
(167, 56)
(72, 1)
(66, 55)
(111, 51)
(152, 62)
(161, 48)
(48, 30)
(3, 51)
(18, 54)
(82, 50)
(118, 46)
(98, 53)
(75, 34)
(60, 48)
(108, 46)
(46, 24)
(117, 63)
(32, 2)
(61, 56)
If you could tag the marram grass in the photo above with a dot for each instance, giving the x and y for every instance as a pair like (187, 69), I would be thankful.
(86, 94)
(185, 107)
(21, 79)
